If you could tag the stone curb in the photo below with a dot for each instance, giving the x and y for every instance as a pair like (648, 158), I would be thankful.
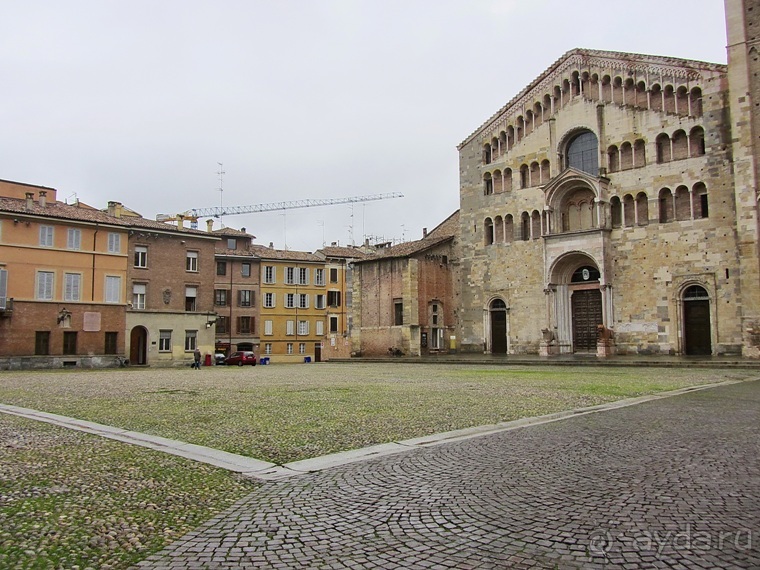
(267, 471)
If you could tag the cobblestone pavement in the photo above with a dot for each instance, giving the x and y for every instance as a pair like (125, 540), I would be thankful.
(672, 483)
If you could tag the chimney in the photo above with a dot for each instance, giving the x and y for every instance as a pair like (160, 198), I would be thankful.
(29, 200)
(424, 233)
(114, 209)
(210, 225)
(271, 245)
(242, 230)
(334, 243)
(180, 221)
(43, 198)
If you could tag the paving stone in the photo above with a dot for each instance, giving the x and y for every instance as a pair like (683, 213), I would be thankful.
(627, 488)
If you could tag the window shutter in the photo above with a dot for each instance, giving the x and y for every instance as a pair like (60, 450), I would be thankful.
(3, 289)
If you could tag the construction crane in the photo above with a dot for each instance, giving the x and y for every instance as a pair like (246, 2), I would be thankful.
(218, 211)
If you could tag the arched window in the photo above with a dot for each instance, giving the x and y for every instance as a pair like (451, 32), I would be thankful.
(583, 153)
(663, 148)
(508, 180)
(613, 159)
(626, 156)
(535, 173)
(524, 176)
(642, 209)
(503, 142)
(487, 184)
(519, 128)
(699, 198)
(535, 224)
(585, 274)
(488, 226)
(545, 174)
(497, 182)
(607, 89)
(695, 292)
(680, 145)
(487, 153)
(538, 114)
(669, 99)
(641, 95)
(510, 137)
(629, 92)
(495, 148)
(639, 154)
(683, 203)
(695, 101)
(618, 94)
(629, 211)
(616, 210)
(509, 229)
(655, 98)
(666, 205)
(525, 226)
(547, 107)
(529, 122)
(697, 141)
(498, 230)
(682, 101)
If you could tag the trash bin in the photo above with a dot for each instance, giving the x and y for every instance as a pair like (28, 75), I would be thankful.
(264, 360)
(307, 359)
(207, 362)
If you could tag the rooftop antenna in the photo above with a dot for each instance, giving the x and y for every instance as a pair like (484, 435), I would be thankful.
(221, 173)
(285, 229)
(76, 199)
(351, 227)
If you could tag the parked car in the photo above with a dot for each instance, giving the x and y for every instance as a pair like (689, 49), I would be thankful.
(219, 358)
(240, 358)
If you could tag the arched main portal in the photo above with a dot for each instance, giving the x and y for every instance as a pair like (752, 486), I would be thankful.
(580, 298)
(497, 312)
(138, 346)
(696, 321)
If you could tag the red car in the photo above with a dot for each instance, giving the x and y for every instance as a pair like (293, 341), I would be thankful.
(240, 358)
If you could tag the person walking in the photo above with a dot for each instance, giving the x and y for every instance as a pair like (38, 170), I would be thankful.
(197, 359)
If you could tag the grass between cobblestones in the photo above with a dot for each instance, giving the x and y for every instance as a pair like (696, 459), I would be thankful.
(283, 413)
(72, 500)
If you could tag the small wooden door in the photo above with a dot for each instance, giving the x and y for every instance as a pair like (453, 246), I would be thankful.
(498, 332)
(696, 326)
(587, 315)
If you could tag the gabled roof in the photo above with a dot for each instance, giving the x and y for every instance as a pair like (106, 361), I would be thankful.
(232, 232)
(445, 231)
(73, 213)
(340, 251)
(687, 69)
(264, 252)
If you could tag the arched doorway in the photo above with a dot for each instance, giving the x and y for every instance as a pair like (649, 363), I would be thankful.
(498, 316)
(696, 321)
(138, 345)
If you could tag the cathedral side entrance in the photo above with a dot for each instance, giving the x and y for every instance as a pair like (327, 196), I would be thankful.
(587, 315)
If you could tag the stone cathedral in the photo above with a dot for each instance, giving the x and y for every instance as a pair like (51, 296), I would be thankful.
(611, 207)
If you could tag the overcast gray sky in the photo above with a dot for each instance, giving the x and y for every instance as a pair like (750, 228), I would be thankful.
(137, 101)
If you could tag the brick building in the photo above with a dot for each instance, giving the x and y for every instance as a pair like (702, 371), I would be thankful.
(611, 206)
(406, 296)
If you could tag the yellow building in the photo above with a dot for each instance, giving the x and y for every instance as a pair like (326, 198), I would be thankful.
(63, 274)
(293, 303)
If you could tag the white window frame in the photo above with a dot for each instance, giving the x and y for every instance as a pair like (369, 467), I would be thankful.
(303, 301)
(245, 269)
(165, 341)
(191, 340)
(46, 236)
(319, 302)
(3, 288)
(268, 328)
(269, 300)
(114, 242)
(268, 348)
(191, 261)
(45, 285)
(303, 275)
(112, 291)
(141, 256)
(74, 238)
(290, 348)
(139, 292)
(320, 328)
(301, 348)
(303, 328)
(72, 286)
(290, 275)
(290, 328)
(290, 300)
(319, 276)
(270, 274)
